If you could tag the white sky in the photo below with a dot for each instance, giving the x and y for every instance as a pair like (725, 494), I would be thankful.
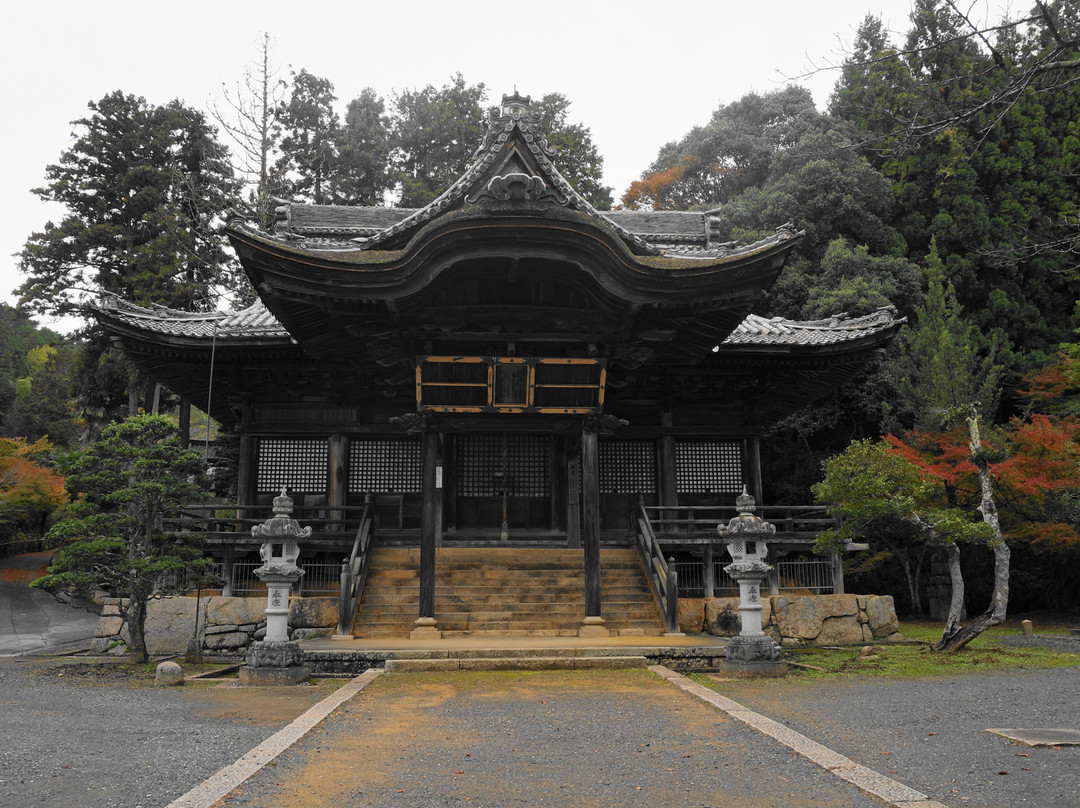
(639, 74)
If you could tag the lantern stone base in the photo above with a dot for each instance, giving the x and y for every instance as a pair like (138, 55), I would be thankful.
(274, 662)
(753, 656)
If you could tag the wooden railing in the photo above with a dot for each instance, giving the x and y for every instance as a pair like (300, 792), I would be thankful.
(792, 521)
(233, 523)
(354, 571)
(663, 579)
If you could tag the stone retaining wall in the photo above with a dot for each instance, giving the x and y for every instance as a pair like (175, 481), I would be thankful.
(799, 619)
(227, 625)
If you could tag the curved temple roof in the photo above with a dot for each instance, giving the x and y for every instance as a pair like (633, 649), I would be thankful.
(509, 255)
(512, 174)
(257, 323)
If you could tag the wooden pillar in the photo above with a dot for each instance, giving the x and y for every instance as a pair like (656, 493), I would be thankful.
(573, 493)
(246, 467)
(710, 570)
(426, 627)
(593, 625)
(227, 571)
(245, 470)
(338, 480)
(752, 467)
(185, 423)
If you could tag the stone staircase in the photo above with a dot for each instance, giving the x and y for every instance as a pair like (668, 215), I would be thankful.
(505, 591)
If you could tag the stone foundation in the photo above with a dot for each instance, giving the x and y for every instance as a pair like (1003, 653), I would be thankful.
(228, 626)
(794, 620)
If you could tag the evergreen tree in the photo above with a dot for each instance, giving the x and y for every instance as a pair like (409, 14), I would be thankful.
(125, 483)
(362, 175)
(435, 132)
(310, 130)
(715, 163)
(141, 185)
(947, 367)
(43, 405)
(576, 156)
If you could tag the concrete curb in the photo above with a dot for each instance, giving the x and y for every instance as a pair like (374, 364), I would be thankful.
(219, 785)
(877, 785)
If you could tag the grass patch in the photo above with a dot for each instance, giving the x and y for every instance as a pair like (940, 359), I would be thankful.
(930, 631)
(986, 653)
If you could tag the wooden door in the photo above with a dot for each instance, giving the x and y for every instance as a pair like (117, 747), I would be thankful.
(503, 482)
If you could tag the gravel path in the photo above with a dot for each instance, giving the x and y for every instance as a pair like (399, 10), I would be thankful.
(76, 735)
(931, 734)
(557, 739)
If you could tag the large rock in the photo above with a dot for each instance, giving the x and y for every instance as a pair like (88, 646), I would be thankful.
(691, 614)
(170, 623)
(235, 611)
(802, 617)
(228, 642)
(722, 615)
(840, 631)
(108, 626)
(313, 612)
(881, 616)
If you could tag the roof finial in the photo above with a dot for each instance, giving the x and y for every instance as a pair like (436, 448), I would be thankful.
(515, 104)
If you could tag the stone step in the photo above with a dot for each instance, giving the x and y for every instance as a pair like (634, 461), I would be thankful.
(396, 596)
(505, 591)
(515, 663)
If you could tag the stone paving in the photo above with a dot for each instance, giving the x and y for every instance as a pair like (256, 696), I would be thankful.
(31, 620)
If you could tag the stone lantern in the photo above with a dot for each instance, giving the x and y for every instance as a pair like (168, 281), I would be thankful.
(276, 660)
(752, 652)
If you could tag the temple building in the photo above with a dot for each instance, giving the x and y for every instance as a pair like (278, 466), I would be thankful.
(505, 370)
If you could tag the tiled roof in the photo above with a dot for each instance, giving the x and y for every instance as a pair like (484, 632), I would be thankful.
(514, 130)
(253, 322)
(659, 225)
(256, 321)
(760, 331)
(352, 222)
(338, 220)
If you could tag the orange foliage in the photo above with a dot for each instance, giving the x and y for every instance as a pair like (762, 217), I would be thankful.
(25, 486)
(1050, 386)
(652, 188)
(1056, 535)
(1038, 457)
(944, 455)
(1045, 455)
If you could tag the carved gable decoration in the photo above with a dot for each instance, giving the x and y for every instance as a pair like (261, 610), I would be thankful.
(512, 172)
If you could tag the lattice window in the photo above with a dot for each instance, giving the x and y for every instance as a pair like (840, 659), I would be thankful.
(489, 464)
(708, 467)
(390, 466)
(297, 464)
(627, 467)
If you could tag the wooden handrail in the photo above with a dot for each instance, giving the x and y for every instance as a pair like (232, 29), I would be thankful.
(354, 571)
(236, 520)
(662, 577)
(791, 519)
